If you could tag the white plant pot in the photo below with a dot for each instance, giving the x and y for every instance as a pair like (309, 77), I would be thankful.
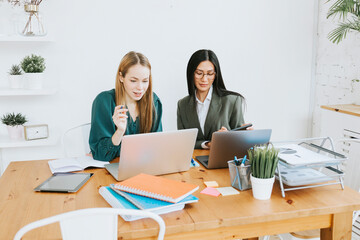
(262, 187)
(34, 80)
(16, 132)
(16, 81)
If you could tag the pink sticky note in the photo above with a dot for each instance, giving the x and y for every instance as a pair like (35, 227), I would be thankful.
(210, 191)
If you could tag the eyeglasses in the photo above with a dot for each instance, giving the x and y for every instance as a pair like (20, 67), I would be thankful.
(200, 74)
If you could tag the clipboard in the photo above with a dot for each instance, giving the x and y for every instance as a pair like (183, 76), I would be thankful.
(64, 182)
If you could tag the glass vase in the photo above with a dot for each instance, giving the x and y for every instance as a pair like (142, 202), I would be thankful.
(32, 23)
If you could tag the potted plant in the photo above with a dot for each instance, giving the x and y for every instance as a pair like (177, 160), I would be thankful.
(14, 123)
(15, 77)
(34, 67)
(263, 161)
(344, 8)
(349, 15)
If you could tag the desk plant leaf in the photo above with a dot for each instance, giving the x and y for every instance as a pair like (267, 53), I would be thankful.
(349, 13)
(33, 64)
(263, 160)
(12, 119)
(15, 70)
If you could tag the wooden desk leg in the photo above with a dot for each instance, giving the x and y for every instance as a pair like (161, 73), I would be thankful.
(341, 227)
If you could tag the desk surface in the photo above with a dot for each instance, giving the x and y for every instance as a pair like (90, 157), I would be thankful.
(223, 217)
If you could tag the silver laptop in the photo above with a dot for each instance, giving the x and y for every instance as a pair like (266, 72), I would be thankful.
(226, 145)
(154, 153)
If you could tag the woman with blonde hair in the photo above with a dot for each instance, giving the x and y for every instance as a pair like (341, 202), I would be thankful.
(130, 108)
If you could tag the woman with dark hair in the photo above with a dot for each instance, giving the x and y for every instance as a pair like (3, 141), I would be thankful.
(210, 107)
(132, 107)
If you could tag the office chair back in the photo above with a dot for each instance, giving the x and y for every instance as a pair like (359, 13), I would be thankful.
(76, 141)
(91, 223)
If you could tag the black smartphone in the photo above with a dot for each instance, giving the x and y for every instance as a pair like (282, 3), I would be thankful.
(242, 127)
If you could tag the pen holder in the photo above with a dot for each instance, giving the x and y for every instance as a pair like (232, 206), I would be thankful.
(239, 176)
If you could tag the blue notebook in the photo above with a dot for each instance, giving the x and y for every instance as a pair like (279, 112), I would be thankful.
(149, 204)
(144, 203)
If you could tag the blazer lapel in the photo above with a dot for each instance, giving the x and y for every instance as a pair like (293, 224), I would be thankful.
(192, 116)
(213, 115)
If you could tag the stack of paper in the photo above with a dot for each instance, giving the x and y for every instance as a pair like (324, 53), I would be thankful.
(121, 199)
(297, 155)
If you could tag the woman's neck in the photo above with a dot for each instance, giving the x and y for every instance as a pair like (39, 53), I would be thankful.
(202, 95)
(132, 107)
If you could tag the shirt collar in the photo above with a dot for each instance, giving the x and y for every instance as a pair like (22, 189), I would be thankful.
(208, 97)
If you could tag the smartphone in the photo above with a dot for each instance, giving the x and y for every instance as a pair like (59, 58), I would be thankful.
(242, 127)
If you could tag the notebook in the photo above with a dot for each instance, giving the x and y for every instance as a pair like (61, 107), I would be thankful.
(144, 203)
(74, 164)
(156, 187)
(154, 153)
(153, 205)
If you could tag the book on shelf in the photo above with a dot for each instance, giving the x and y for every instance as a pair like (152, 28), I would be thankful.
(74, 164)
(156, 187)
(119, 199)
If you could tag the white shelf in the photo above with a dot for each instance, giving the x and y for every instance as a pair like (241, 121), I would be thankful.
(18, 38)
(26, 92)
(6, 142)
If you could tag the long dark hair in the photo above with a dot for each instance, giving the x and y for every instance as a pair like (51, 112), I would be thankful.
(218, 84)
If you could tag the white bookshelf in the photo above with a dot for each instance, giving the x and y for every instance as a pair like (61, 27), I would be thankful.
(19, 38)
(6, 142)
(5, 92)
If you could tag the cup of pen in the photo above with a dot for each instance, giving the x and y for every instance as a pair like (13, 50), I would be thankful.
(240, 173)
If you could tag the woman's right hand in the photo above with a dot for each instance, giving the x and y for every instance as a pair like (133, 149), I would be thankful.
(120, 120)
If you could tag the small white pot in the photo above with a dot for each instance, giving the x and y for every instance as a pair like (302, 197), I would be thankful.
(16, 81)
(34, 80)
(262, 187)
(16, 132)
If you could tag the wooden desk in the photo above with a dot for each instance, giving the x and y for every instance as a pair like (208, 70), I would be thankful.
(237, 216)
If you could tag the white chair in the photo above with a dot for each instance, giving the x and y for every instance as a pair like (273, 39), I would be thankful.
(91, 223)
(76, 141)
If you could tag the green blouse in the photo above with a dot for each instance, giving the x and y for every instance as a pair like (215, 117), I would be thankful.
(103, 127)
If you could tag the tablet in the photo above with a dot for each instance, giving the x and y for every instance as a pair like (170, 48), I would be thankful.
(64, 182)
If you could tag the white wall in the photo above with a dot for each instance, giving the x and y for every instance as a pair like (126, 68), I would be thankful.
(336, 66)
(264, 47)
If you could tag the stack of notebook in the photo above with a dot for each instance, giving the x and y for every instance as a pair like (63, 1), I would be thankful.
(150, 193)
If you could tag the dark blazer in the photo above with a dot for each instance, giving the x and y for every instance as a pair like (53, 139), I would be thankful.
(223, 111)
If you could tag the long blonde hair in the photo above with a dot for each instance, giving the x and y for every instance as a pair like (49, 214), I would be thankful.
(145, 104)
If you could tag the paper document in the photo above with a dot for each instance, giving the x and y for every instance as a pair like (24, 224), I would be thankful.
(297, 155)
(74, 164)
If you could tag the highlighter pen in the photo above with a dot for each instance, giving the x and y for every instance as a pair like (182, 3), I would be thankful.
(193, 162)
(237, 163)
(243, 161)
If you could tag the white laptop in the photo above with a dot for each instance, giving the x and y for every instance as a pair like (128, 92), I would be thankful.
(154, 153)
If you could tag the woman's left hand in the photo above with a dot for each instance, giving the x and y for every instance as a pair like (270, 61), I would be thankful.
(223, 129)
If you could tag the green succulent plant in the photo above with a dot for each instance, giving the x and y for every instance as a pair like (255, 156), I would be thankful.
(33, 64)
(263, 160)
(15, 70)
(12, 119)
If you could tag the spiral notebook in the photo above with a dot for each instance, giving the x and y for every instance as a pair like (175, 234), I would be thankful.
(156, 187)
(148, 204)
